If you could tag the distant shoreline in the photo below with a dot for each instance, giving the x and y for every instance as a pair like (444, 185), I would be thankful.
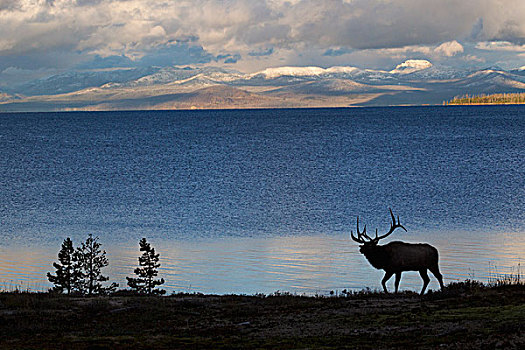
(256, 108)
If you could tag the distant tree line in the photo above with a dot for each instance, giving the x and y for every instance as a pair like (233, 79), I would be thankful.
(506, 98)
(79, 270)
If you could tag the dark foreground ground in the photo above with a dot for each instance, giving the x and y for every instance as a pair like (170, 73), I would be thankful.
(465, 316)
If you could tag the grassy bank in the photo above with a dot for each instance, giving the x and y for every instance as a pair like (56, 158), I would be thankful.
(466, 315)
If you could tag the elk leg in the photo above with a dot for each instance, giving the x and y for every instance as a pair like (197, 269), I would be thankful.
(388, 274)
(398, 278)
(425, 278)
(437, 274)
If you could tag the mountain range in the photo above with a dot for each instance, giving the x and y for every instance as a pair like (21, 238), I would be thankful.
(413, 82)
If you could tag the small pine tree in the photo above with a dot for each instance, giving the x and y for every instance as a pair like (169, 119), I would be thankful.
(149, 263)
(92, 260)
(68, 269)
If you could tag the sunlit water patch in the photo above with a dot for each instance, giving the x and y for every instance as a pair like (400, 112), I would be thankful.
(314, 264)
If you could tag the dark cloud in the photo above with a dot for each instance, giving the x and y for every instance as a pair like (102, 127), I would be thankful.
(176, 54)
(228, 58)
(260, 53)
(98, 62)
(173, 54)
(265, 33)
(511, 32)
(477, 30)
(337, 52)
(232, 59)
(59, 59)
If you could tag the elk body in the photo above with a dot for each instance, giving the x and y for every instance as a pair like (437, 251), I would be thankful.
(396, 257)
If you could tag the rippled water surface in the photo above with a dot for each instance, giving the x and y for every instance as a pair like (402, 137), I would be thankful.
(259, 201)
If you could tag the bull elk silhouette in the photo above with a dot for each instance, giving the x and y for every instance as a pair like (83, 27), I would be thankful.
(396, 257)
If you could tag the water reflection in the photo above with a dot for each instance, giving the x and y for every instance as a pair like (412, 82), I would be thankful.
(299, 264)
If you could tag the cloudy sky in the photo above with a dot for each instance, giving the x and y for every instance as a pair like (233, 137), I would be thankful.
(40, 37)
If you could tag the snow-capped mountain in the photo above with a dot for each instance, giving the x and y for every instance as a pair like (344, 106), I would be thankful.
(175, 75)
(491, 81)
(272, 73)
(410, 82)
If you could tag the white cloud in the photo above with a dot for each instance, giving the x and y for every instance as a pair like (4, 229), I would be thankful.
(6, 44)
(449, 49)
(410, 66)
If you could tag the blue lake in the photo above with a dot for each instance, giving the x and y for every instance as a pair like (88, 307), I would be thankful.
(262, 200)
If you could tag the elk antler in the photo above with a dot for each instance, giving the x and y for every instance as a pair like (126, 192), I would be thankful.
(361, 236)
(393, 226)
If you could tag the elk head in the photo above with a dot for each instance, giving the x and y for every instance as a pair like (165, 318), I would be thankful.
(369, 242)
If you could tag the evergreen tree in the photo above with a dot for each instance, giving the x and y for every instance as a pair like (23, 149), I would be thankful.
(92, 260)
(149, 263)
(68, 269)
